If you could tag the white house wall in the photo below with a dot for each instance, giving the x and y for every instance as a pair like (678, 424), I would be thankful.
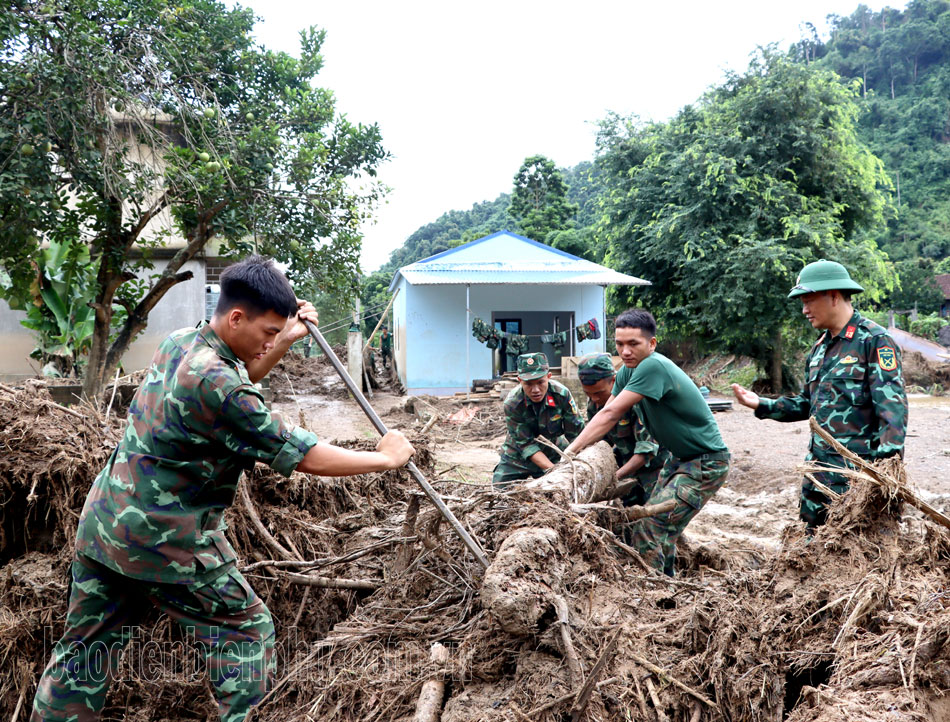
(437, 336)
(182, 306)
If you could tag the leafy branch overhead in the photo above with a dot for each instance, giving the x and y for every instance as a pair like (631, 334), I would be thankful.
(145, 130)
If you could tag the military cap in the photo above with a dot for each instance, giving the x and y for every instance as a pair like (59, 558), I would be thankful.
(823, 276)
(594, 367)
(532, 366)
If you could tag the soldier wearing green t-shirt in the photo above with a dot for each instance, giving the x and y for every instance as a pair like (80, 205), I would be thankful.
(640, 459)
(152, 530)
(678, 417)
(538, 406)
(853, 384)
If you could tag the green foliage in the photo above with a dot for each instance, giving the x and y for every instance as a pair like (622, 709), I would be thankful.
(721, 207)
(901, 60)
(943, 266)
(917, 286)
(928, 326)
(116, 115)
(539, 201)
(60, 313)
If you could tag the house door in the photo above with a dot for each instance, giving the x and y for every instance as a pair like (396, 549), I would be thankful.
(507, 325)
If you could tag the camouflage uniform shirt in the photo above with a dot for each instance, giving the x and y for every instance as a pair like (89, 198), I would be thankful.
(197, 421)
(855, 390)
(630, 437)
(555, 416)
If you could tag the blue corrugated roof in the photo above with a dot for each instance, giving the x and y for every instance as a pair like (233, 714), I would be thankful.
(563, 269)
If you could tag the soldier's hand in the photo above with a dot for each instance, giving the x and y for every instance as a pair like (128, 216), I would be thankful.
(745, 397)
(396, 448)
(305, 312)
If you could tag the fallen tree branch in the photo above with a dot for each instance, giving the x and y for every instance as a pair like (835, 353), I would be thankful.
(259, 525)
(630, 513)
(429, 704)
(570, 654)
(565, 698)
(583, 697)
(327, 583)
(891, 485)
(663, 674)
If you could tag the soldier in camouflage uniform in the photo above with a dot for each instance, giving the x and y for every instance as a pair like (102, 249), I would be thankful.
(678, 417)
(853, 384)
(538, 406)
(152, 530)
(637, 453)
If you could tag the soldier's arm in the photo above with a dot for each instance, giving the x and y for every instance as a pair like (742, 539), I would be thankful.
(605, 419)
(521, 432)
(572, 420)
(888, 396)
(293, 332)
(787, 408)
(392, 451)
(637, 462)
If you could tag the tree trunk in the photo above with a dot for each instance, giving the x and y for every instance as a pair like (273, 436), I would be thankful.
(590, 478)
(524, 578)
(777, 363)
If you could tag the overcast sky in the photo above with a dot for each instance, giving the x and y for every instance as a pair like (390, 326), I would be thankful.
(464, 92)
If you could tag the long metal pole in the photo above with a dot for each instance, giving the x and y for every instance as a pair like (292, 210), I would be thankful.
(433, 495)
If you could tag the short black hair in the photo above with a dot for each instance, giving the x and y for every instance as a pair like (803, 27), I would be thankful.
(256, 285)
(637, 318)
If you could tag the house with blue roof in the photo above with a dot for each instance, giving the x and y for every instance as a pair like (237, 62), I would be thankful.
(513, 284)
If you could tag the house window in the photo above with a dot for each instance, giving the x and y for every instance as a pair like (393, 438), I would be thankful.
(212, 293)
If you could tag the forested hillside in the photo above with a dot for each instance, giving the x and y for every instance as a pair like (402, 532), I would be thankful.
(838, 147)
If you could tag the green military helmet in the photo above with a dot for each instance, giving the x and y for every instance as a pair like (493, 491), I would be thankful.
(594, 367)
(532, 366)
(823, 276)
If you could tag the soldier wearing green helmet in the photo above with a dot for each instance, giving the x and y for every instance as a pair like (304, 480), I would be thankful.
(853, 384)
(640, 459)
(537, 407)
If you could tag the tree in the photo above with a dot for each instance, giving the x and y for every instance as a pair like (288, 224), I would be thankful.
(723, 206)
(918, 289)
(539, 202)
(126, 125)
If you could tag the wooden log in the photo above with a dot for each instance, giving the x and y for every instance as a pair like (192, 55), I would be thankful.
(429, 704)
(590, 476)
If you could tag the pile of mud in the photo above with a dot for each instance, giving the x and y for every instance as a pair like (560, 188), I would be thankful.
(927, 376)
(851, 624)
(451, 419)
(296, 374)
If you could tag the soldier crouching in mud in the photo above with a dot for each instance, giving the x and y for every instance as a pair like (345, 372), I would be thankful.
(640, 460)
(152, 532)
(537, 406)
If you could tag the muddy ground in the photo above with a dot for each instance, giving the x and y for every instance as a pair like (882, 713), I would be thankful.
(762, 623)
(750, 511)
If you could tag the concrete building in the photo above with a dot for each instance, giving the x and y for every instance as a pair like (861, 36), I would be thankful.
(512, 283)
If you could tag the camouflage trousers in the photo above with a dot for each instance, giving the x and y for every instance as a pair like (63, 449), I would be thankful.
(645, 481)
(229, 622)
(813, 508)
(691, 484)
(512, 468)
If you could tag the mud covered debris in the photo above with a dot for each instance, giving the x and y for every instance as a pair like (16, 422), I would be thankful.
(850, 624)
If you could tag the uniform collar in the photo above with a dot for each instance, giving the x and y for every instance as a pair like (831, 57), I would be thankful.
(847, 332)
(215, 342)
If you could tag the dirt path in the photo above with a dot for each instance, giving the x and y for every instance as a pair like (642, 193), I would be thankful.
(749, 512)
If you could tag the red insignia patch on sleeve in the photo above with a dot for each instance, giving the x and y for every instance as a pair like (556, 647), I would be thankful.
(887, 358)
(849, 334)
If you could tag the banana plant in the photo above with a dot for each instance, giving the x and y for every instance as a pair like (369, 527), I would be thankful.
(60, 314)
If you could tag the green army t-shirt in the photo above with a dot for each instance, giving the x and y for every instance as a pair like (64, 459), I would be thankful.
(674, 411)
